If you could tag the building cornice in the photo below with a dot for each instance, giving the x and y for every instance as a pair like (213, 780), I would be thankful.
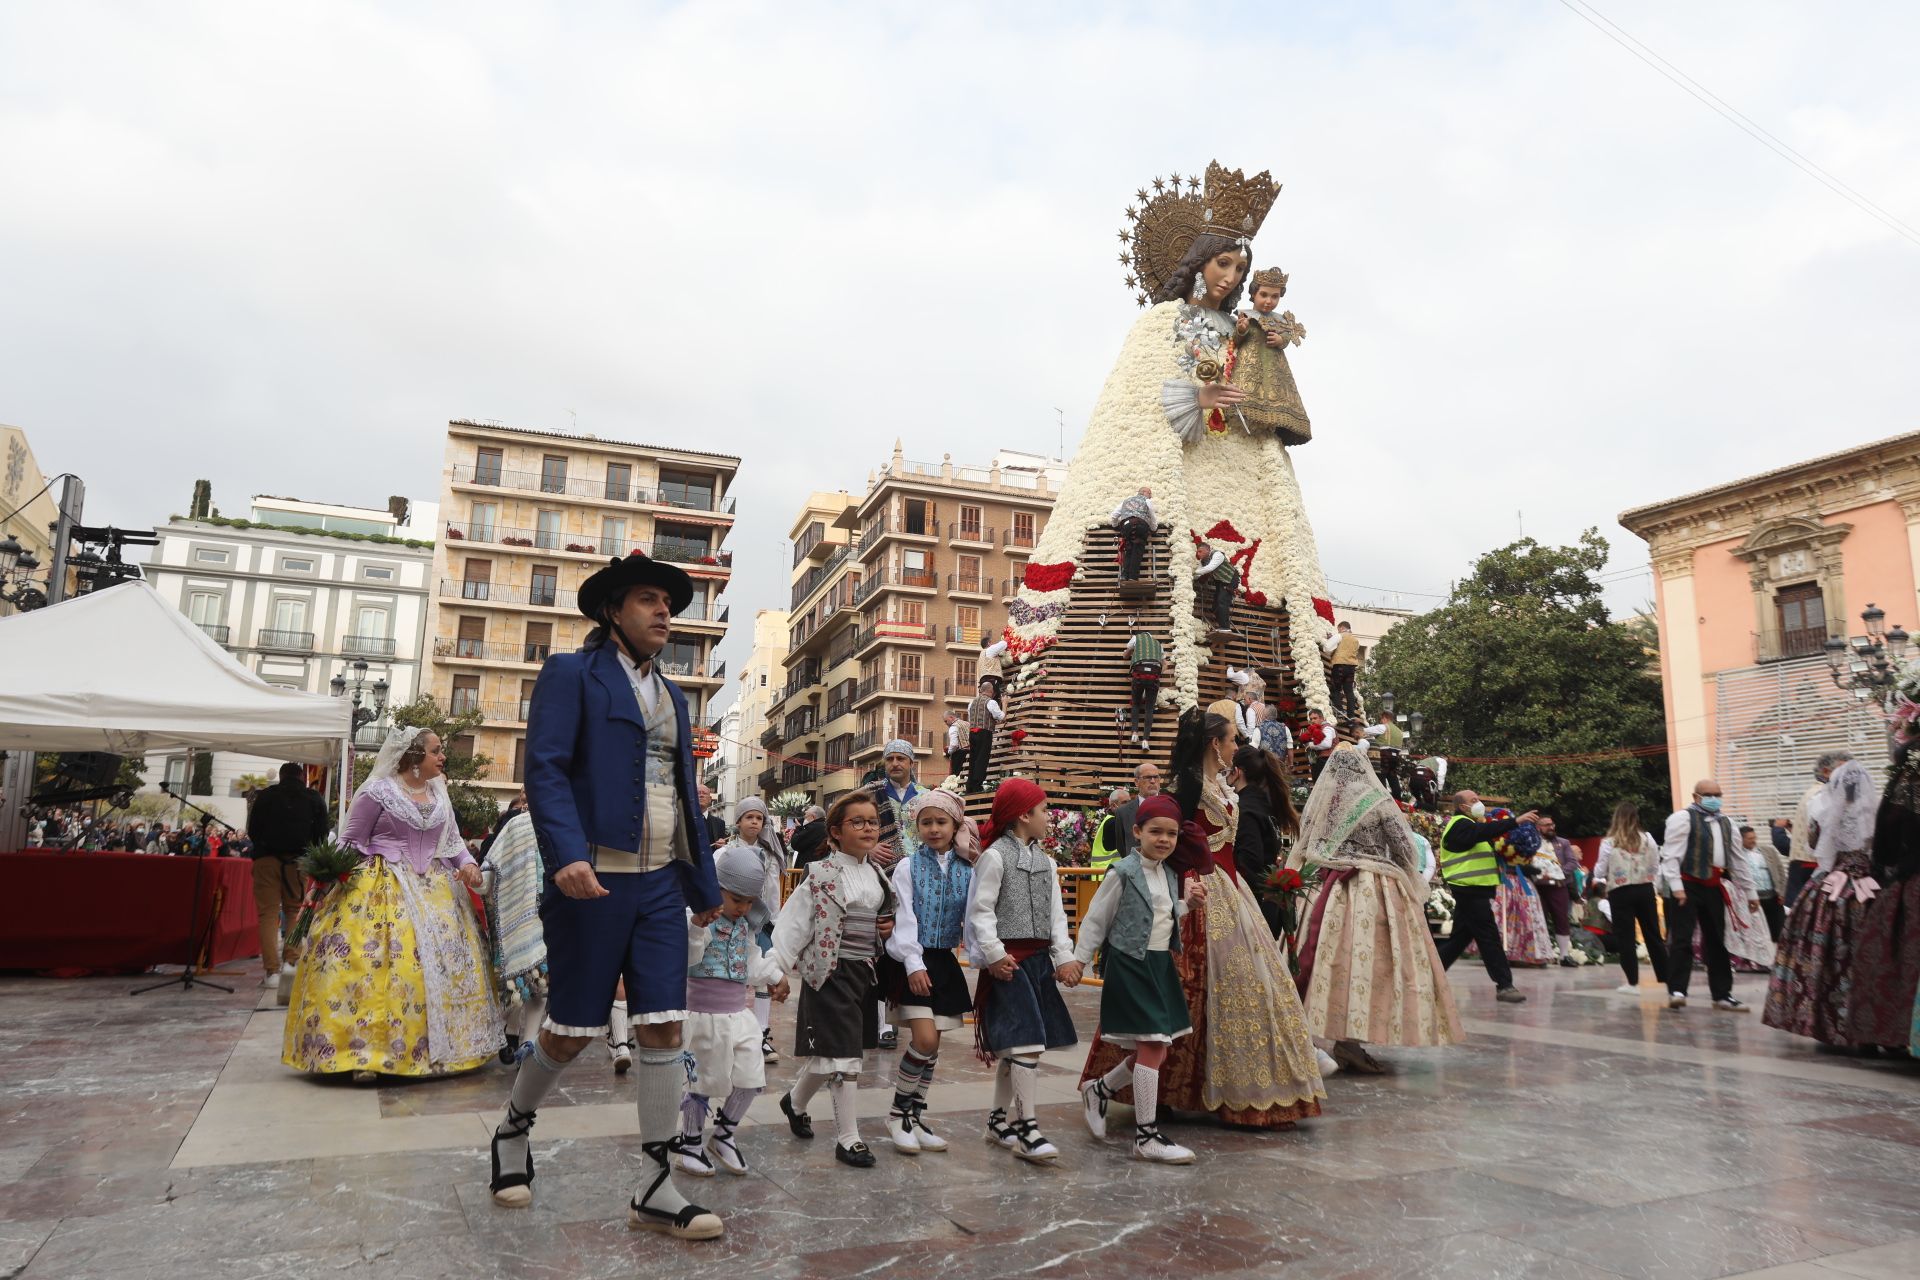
(467, 426)
(1882, 470)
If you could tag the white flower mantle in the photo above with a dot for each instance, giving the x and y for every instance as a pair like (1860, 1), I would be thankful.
(1244, 478)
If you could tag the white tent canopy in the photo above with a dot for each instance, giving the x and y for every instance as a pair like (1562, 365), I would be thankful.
(120, 670)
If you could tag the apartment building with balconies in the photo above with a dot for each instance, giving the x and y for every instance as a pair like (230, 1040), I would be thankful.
(894, 595)
(300, 593)
(527, 516)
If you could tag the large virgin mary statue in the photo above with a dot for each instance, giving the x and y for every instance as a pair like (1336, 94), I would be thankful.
(1167, 418)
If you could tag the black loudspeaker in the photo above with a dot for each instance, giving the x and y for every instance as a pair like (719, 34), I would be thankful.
(87, 768)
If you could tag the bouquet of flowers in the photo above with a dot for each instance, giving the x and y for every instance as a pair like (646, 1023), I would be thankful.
(1289, 891)
(1069, 837)
(326, 865)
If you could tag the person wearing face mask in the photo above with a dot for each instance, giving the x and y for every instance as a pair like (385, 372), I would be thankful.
(1703, 868)
(1471, 871)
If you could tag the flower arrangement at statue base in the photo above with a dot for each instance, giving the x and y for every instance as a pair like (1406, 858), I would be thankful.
(326, 865)
(1290, 892)
(1069, 838)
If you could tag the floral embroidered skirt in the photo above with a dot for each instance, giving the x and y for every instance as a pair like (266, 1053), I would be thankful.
(1809, 993)
(1249, 1060)
(1523, 921)
(394, 978)
(1376, 975)
(1886, 967)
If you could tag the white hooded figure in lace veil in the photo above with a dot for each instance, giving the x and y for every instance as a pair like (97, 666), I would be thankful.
(395, 979)
(1810, 991)
(1368, 968)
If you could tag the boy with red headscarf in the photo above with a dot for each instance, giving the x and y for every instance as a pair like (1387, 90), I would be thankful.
(1017, 937)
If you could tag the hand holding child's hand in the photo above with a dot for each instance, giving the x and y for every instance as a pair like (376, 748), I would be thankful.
(1068, 974)
(780, 990)
(1196, 893)
(1003, 969)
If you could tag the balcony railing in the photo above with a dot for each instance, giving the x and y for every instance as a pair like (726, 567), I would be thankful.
(1783, 646)
(1022, 539)
(463, 702)
(839, 706)
(525, 539)
(887, 631)
(218, 631)
(499, 593)
(288, 641)
(598, 489)
(768, 780)
(368, 646)
(979, 535)
(963, 635)
(970, 584)
(486, 651)
(883, 527)
(914, 686)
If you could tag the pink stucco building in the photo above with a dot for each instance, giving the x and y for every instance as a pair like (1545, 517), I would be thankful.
(1752, 578)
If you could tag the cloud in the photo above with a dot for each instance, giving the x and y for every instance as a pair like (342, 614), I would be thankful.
(281, 247)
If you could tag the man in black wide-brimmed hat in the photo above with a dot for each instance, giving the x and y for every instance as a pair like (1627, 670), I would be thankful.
(610, 783)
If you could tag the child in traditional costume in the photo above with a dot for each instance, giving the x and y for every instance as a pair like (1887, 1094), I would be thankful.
(829, 934)
(1017, 937)
(1135, 914)
(511, 882)
(750, 832)
(724, 965)
(926, 988)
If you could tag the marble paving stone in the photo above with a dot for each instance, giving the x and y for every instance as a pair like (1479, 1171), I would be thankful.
(1675, 1240)
(1465, 1256)
(1576, 1136)
(20, 1240)
(1896, 1261)
(1865, 1211)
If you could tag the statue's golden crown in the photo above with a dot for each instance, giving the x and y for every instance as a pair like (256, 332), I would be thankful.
(1166, 220)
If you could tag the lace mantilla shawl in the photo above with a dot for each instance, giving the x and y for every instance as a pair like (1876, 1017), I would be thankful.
(400, 806)
(1350, 821)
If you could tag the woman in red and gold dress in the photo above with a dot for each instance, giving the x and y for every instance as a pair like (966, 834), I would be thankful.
(1249, 1060)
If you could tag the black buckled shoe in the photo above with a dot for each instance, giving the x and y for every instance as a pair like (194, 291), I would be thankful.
(859, 1155)
(799, 1121)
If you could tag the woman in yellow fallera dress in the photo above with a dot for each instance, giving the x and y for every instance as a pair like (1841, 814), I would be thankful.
(394, 978)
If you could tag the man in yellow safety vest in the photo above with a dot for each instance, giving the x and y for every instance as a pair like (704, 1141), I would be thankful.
(1471, 870)
(1108, 842)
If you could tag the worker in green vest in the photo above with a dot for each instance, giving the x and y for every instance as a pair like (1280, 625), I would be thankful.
(1107, 837)
(1388, 739)
(1145, 660)
(1471, 870)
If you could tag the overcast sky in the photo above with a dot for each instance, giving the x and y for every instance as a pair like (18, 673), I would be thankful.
(278, 246)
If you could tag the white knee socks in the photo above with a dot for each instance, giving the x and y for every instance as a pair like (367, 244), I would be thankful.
(1120, 1077)
(846, 1120)
(763, 1010)
(1564, 941)
(618, 1032)
(1024, 1071)
(531, 1084)
(1002, 1085)
(659, 1078)
(1146, 1095)
(807, 1085)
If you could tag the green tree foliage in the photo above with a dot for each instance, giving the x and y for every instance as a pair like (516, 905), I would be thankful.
(474, 806)
(1523, 660)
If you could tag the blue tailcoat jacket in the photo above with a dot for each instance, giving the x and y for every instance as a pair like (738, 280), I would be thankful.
(586, 768)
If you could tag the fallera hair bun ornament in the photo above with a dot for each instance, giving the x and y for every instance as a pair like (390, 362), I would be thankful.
(1167, 220)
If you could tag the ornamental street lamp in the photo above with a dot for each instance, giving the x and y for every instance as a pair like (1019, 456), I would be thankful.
(369, 703)
(18, 586)
(1867, 666)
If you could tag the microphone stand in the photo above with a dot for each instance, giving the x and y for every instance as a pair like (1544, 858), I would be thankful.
(189, 977)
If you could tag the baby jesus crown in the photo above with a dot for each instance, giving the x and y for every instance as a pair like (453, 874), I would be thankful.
(1179, 210)
(1270, 278)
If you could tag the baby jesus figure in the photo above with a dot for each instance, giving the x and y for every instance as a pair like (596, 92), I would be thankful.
(1260, 367)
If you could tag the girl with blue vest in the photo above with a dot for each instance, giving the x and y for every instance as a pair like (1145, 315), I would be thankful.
(926, 988)
(1136, 914)
(724, 965)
